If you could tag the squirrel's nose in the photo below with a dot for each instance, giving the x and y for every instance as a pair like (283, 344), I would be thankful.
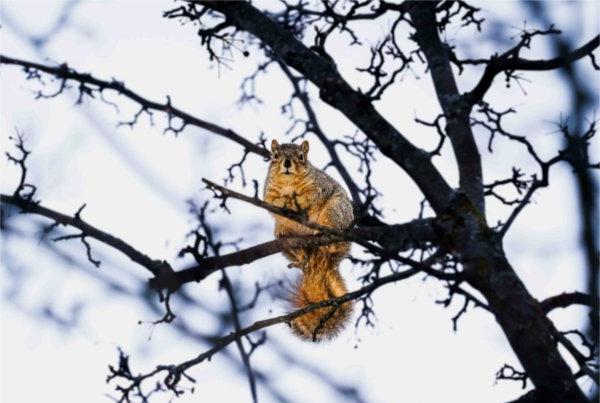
(287, 163)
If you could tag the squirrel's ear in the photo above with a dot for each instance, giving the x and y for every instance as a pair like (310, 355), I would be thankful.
(274, 145)
(304, 146)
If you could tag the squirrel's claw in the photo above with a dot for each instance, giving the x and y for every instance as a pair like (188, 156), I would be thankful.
(293, 265)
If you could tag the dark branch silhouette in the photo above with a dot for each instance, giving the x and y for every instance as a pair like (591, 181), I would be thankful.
(88, 85)
(456, 245)
(510, 62)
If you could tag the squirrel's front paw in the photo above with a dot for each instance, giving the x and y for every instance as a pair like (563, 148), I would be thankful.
(297, 265)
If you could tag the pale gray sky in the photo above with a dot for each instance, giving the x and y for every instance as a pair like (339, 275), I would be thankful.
(135, 183)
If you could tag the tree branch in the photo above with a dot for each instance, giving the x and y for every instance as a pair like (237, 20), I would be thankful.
(567, 299)
(174, 373)
(401, 237)
(577, 355)
(456, 113)
(335, 91)
(509, 62)
(154, 266)
(210, 265)
(395, 237)
(261, 324)
(299, 216)
(64, 72)
(245, 355)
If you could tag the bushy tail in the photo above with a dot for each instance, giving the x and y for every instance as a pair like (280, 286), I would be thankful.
(321, 280)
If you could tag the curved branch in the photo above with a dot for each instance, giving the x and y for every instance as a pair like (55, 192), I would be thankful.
(64, 72)
(567, 299)
(34, 208)
(584, 368)
(174, 373)
(508, 62)
(164, 278)
(261, 324)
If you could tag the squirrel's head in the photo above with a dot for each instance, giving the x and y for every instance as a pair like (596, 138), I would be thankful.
(289, 159)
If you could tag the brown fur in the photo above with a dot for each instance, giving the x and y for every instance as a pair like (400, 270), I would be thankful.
(292, 182)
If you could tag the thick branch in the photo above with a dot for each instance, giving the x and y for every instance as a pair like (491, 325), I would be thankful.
(526, 327)
(567, 299)
(335, 91)
(66, 73)
(212, 264)
(397, 238)
(507, 62)
(458, 126)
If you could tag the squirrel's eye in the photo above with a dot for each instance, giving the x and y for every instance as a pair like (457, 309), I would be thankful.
(301, 157)
(275, 156)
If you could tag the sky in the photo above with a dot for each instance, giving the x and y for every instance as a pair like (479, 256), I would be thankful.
(136, 180)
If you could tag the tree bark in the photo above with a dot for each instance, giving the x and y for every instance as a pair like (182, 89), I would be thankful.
(456, 111)
(528, 331)
(335, 91)
(521, 317)
(476, 246)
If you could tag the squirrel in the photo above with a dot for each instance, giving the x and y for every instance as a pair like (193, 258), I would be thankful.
(294, 183)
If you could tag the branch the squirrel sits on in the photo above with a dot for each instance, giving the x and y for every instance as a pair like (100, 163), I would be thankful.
(294, 183)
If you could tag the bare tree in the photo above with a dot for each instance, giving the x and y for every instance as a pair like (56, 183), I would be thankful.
(456, 245)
